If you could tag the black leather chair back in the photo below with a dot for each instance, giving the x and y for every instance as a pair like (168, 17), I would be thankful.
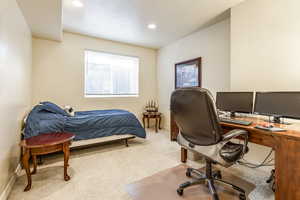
(195, 114)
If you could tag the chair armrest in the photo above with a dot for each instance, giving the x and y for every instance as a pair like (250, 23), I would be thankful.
(234, 134)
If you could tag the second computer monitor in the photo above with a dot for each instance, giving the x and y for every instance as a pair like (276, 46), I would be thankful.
(235, 102)
(278, 104)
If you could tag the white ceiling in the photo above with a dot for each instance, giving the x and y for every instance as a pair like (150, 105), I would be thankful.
(44, 17)
(124, 20)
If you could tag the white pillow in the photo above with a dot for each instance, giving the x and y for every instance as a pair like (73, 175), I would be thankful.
(70, 110)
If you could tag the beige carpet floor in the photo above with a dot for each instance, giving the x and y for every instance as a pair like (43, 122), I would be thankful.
(162, 186)
(103, 171)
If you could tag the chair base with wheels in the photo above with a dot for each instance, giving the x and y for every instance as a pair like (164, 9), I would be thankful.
(209, 178)
(225, 154)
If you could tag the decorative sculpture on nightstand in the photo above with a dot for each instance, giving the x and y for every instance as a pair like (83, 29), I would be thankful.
(151, 106)
(151, 111)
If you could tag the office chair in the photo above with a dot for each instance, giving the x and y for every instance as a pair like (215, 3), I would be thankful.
(195, 114)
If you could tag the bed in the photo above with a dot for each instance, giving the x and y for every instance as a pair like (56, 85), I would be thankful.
(88, 126)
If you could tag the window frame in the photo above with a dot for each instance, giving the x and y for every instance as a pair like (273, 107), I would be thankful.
(109, 95)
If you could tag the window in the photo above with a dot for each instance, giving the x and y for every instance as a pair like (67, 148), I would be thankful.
(111, 75)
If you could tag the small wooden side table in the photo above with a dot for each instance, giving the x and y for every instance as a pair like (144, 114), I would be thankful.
(152, 115)
(45, 144)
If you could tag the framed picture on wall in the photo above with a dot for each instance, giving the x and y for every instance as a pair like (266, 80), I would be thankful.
(188, 73)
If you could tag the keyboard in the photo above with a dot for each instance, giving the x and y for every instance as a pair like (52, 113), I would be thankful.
(272, 129)
(234, 121)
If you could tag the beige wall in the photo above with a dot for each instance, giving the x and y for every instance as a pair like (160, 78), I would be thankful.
(265, 45)
(213, 45)
(58, 73)
(15, 85)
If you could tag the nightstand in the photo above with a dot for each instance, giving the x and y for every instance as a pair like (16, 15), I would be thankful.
(152, 115)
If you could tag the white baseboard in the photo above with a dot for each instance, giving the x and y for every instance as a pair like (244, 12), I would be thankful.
(10, 184)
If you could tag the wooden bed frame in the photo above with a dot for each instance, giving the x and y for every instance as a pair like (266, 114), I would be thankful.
(102, 140)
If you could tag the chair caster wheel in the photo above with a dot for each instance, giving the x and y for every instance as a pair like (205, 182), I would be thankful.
(218, 175)
(180, 191)
(215, 197)
(188, 172)
(242, 196)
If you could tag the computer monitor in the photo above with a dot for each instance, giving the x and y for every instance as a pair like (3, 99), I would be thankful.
(278, 105)
(235, 102)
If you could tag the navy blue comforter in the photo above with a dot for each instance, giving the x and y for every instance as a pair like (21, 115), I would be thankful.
(85, 124)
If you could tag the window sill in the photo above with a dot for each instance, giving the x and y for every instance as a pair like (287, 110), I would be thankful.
(110, 96)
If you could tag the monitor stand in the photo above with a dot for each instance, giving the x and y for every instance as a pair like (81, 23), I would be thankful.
(232, 114)
(278, 120)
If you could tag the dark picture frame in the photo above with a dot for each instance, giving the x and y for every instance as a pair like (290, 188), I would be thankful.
(188, 73)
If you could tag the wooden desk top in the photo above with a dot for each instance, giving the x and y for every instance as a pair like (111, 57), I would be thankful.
(293, 130)
(46, 139)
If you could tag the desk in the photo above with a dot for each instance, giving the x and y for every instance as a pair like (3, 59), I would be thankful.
(287, 154)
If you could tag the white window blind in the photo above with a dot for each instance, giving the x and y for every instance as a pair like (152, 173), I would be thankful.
(110, 74)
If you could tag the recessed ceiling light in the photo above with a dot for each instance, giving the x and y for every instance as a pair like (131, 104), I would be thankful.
(152, 26)
(77, 3)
